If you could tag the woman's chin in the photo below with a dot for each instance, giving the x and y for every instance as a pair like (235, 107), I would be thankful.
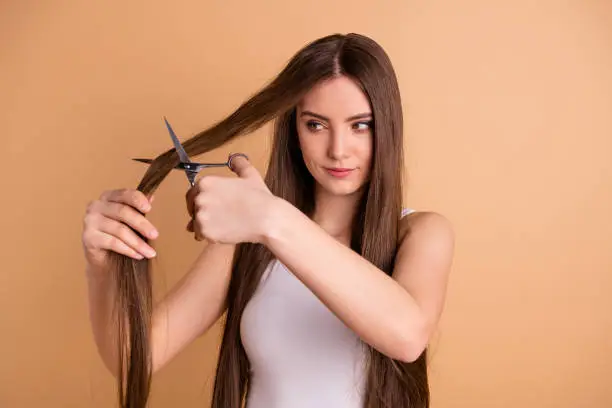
(340, 187)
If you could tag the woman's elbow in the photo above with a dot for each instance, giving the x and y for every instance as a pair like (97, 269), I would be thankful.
(412, 345)
(411, 352)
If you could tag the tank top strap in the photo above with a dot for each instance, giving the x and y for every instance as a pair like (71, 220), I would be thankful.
(406, 211)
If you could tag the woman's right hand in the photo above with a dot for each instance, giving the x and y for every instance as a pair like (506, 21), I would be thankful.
(109, 225)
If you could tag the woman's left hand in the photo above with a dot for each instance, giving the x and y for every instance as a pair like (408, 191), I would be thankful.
(230, 210)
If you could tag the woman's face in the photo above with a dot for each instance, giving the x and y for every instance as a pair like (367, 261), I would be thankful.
(334, 125)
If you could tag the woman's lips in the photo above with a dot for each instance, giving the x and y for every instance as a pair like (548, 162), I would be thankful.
(339, 172)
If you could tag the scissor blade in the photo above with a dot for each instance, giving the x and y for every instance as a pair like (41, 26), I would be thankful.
(144, 160)
(187, 166)
(177, 144)
(180, 166)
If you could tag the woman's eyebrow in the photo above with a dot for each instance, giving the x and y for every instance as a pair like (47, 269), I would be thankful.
(354, 117)
(360, 116)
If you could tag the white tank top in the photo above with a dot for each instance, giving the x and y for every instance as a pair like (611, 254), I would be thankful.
(301, 354)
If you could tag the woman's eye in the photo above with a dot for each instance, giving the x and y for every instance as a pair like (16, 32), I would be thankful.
(312, 125)
(361, 126)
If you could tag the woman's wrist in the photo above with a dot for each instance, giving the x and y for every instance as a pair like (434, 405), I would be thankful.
(278, 216)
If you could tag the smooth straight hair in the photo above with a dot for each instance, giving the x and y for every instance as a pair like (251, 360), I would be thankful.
(375, 230)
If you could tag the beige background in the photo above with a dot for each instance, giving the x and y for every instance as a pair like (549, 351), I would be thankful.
(509, 133)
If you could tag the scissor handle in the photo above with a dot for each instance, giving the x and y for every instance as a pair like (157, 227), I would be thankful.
(207, 165)
(193, 166)
(233, 156)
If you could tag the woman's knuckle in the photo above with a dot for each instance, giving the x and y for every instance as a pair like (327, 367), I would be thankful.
(199, 203)
(87, 238)
(206, 182)
(142, 224)
(125, 233)
(123, 212)
(201, 217)
(112, 242)
(92, 220)
(92, 206)
(87, 222)
(202, 183)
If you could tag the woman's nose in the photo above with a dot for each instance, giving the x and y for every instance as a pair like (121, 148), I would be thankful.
(337, 145)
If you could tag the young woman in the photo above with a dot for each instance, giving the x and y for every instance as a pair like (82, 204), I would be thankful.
(331, 289)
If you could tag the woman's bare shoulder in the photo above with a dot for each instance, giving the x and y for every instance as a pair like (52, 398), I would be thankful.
(434, 222)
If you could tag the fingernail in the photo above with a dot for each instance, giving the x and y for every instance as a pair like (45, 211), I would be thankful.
(151, 252)
(153, 234)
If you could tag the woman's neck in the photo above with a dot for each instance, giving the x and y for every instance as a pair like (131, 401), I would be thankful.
(335, 214)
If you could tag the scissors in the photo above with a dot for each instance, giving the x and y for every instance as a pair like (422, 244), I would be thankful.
(191, 168)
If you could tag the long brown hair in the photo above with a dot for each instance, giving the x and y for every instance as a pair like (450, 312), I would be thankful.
(390, 383)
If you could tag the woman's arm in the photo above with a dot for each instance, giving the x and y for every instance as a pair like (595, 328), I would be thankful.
(191, 307)
(396, 315)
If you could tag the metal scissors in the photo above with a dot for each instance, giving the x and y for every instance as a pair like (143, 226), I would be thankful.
(191, 168)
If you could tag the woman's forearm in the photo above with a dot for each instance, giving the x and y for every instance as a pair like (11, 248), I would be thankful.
(366, 299)
(101, 298)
